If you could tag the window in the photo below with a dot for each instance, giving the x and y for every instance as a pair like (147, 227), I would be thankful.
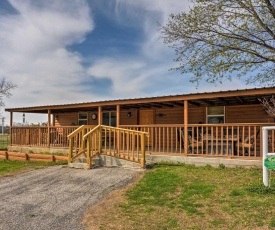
(109, 118)
(82, 118)
(215, 115)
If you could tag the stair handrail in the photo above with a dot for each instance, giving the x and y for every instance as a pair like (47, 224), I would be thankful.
(74, 134)
(114, 128)
(99, 147)
(80, 128)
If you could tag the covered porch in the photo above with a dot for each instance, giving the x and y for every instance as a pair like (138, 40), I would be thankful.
(217, 124)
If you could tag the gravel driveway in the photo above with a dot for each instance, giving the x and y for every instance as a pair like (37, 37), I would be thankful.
(55, 197)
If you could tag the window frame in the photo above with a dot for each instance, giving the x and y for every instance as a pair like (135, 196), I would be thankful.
(80, 120)
(111, 114)
(218, 116)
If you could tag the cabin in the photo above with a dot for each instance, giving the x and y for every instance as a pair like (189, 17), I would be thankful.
(224, 124)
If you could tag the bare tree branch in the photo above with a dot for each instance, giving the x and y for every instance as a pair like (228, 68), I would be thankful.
(217, 38)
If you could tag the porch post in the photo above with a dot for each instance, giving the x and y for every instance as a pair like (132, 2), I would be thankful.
(117, 115)
(117, 125)
(99, 115)
(11, 121)
(53, 117)
(49, 123)
(185, 116)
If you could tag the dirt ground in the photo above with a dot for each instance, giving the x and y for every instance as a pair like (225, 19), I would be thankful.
(98, 216)
(58, 197)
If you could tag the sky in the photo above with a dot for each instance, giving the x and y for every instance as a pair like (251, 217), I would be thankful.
(70, 51)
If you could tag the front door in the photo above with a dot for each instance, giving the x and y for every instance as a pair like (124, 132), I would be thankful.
(146, 117)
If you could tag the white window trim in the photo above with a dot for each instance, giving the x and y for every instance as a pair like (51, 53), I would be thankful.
(78, 119)
(213, 115)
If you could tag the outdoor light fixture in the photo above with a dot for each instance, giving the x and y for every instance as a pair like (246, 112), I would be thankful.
(129, 114)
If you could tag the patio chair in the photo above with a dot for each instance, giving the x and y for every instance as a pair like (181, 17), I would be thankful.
(247, 144)
(195, 145)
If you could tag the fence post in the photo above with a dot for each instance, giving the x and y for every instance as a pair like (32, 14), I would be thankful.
(142, 160)
(70, 150)
(100, 139)
(89, 160)
(265, 149)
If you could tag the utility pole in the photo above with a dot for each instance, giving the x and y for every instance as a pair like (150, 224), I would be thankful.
(3, 122)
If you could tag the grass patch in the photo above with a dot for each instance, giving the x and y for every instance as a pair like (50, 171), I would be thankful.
(188, 197)
(49, 153)
(7, 166)
(4, 141)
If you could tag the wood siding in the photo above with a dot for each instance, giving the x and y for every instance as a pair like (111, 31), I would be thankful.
(125, 120)
(233, 114)
(71, 119)
(246, 114)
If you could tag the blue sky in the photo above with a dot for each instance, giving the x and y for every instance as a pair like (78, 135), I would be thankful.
(69, 51)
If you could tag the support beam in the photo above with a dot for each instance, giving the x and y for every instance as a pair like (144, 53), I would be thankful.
(11, 121)
(185, 117)
(194, 103)
(49, 124)
(239, 100)
(117, 115)
(222, 100)
(99, 115)
(53, 117)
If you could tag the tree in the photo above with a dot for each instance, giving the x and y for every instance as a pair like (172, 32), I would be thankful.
(218, 39)
(5, 89)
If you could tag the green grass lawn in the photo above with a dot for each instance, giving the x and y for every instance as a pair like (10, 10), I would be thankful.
(7, 167)
(4, 141)
(189, 197)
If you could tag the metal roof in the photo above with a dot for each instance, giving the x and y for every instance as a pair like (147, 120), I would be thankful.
(218, 98)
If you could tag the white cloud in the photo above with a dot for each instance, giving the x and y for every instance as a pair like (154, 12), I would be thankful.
(34, 53)
(33, 48)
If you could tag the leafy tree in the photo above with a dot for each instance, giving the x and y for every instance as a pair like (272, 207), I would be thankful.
(217, 39)
(5, 89)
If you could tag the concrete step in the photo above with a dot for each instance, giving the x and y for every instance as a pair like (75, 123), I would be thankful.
(82, 164)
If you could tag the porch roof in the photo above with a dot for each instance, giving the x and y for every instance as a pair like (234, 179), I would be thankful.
(219, 98)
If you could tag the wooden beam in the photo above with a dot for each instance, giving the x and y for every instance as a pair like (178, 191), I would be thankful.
(99, 115)
(53, 117)
(207, 102)
(185, 117)
(117, 115)
(167, 105)
(221, 99)
(177, 103)
(11, 120)
(49, 124)
(194, 103)
(156, 105)
(144, 106)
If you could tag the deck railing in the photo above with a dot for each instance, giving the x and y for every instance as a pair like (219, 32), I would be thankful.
(39, 136)
(229, 140)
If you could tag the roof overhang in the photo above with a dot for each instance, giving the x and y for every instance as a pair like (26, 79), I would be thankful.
(221, 98)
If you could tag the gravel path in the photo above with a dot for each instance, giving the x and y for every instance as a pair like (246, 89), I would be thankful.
(55, 197)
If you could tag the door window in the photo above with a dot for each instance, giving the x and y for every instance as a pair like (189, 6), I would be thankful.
(109, 118)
